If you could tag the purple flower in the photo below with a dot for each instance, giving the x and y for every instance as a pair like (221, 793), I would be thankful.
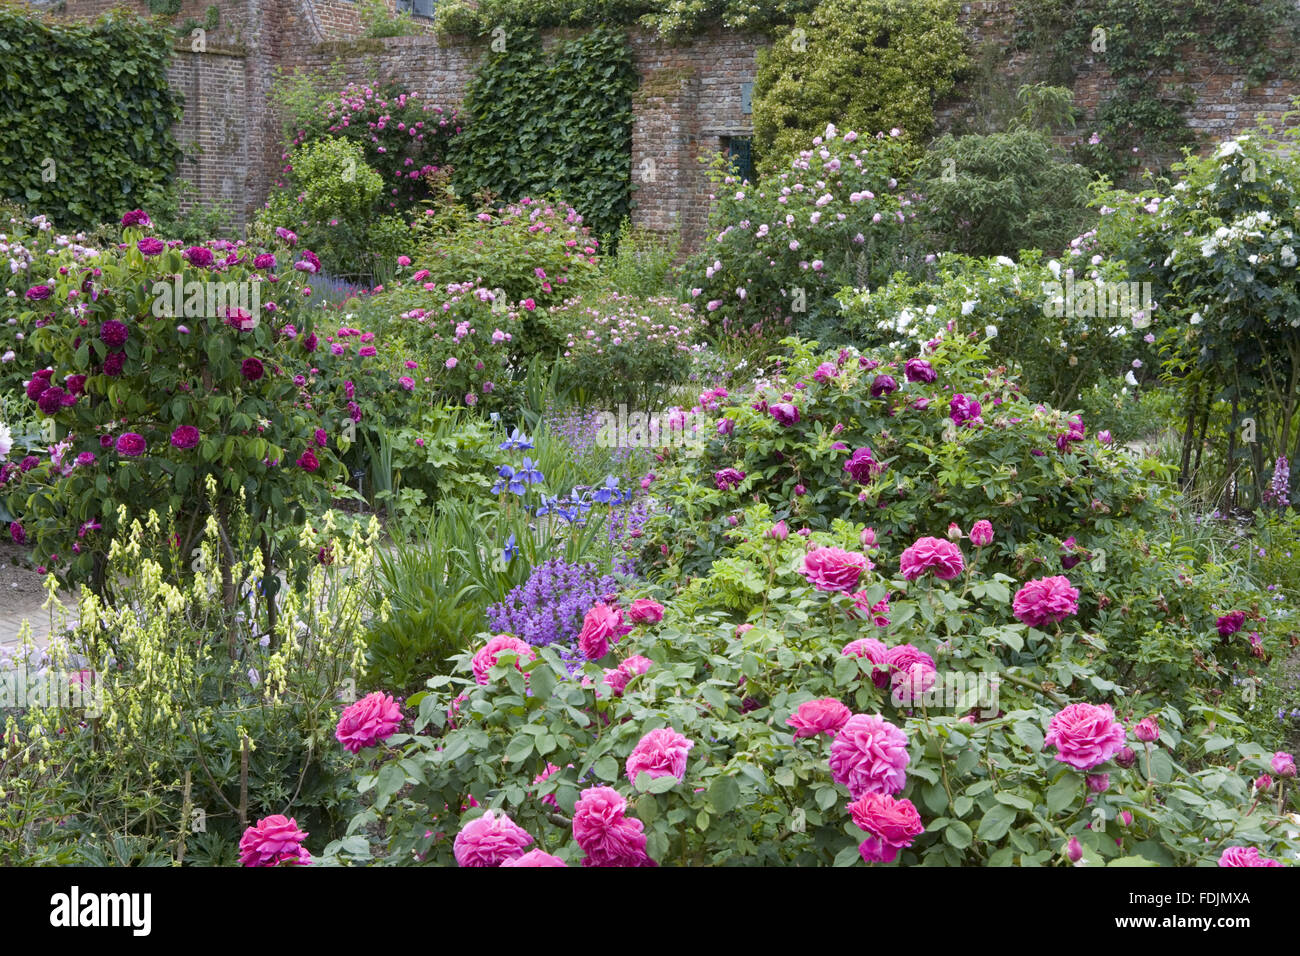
(883, 385)
(919, 370)
(113, 363)
(962, 409)
(198, 256)
(549, 607)
(136, 217)
(252, 369)
(785, 413)
(114, 334)
(38, 292)
(186, 436)
(728, 478)
(863, 466)
(130, 445)
(18, 533)
(151, 246)
(264, 261)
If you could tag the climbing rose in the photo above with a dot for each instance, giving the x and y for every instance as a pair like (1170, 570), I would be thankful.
(834, 569)
(487, 655)
(534, 858)
(874, 651)
(1245, 856)
(274, 840)
(130, 445)
(645, 611)
(891, 825)
(490, 840)
(372, 719)
(943, 557)
(660, 753)
(604, 834)
(981, 533)
(1045, 601)
(1086, 735)
(868, 756)
(186, 436)
(251, 369)
(602, 623)
(815, 717)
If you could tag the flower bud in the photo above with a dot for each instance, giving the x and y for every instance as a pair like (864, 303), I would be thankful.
(1147, 730)
(1073, 850)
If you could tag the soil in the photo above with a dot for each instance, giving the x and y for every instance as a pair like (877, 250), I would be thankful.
(22, 592)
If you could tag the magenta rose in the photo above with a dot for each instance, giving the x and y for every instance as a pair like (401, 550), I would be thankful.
(38, 292)
(728, 478)
(834, 569)
(963, 409)
(308, 461)
(1147, 730)
(264, 261)
(604, 834)
(645, 611)
(785, 413)
(275, 840)
(487, 655)
(660, 753)
(490, 840)
(869, 755)
(874, 651)
(883, 385)
(942, 557)
(1283, 764)
(1231, 623)
(618, 677)
(113, 363)
(371, 720)
(130, 445)
(981, 533)
(1085, 735)
(891, 825)
(151, 246)
(919, 370)
(136, 217)
(1245, 856)
(863, 466)
(186, 436)
(825, 716)
(1045, 601)
(534, 858)
(602, 624)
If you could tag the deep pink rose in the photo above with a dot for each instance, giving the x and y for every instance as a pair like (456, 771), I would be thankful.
(942, 557)
(863, 466)
(919, 370)
(534, 858)
(962, 409)
(660, 753)
(273, 841)
(371, 720)
(186, 436)
(1245, 856)
(786, 413)
(1283, 764)
(487, 655)
(1045, 601)
(1231, 623)
(1086, 735)
(834, 569)
(869, 755)
(645, 611)
(617, 677)
(891, 825)
(601, 624)
(825, 716)
(130, 445)
(604, 834)
(490, 840)
(252, 369)
(981, 533)
(874, 651)
(1147, 730)
(912, 672)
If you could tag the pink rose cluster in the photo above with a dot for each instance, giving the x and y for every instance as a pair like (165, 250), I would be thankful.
(909, 669)
(274, 841)
(372, 719)
(1085, 735)
(486, 658)
(605, 834)
(1045, 601)
(942, 558)
(834, 569)
(1245, 856)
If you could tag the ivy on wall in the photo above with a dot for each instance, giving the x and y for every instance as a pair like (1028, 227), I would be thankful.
(85, 115)
(560, 122)
(1143, 43)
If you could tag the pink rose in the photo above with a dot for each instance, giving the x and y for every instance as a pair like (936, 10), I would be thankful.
(617, 677)
(1283, 764)
(943, 557)
(534, 858)
(660, 753)
(869, 755)
(981, 534)
(546, 775)
(1147, 730)
(834, 569)
(602, 623)
(1045, 601)
(645, 611)
(874, 651)
(1245, 856)
(1085, 735)
(604, 834)
(275, 840)
(372, 719)
(825, 716)
(891, 825)
(912, 673)
(862, 605)
(486, 658)
(490, 840)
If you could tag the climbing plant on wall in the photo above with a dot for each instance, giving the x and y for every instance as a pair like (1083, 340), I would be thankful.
(86, 114)
(558, 122)
(1144, 45)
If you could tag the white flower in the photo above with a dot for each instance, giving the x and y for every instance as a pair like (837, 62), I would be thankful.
(6, 441)
(1288, 256)
(1130, 378)
(1230, 148)
(990, 331)
(1003, 261)
(1054, 267)
(968, 307)
(1196, 318)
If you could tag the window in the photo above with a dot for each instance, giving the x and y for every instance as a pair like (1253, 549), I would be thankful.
(421, 8)
(738, 152)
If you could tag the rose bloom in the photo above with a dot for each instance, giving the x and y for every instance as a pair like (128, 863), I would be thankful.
(919, 370)
(1147, 730)
(274, 840)
(869, 755)
(883, 385)
(150, 246)
(308, 461)
(645, 611)
(728, 478)
(785, 413)
(962, 409)
(926, 554)
(1086, 735)
(534, 858)
(602, 623)
(1283, 764)
(186, 436)
(198, 256)
(981, 533)
(660, 753)
(130, 445)
(114, 333)
(1231, 623)
(490, 840)
(863, 466)
(834, 569)
(862, 604)
(1045, 601)
(1245, 856)
(815, 717)
(251, 369)
(136, 217)
(617, 677)
(891, 825)
(604, 834)
(265, 260)
(487, 655)
(912, 673)
(874, 651)
(372, 719)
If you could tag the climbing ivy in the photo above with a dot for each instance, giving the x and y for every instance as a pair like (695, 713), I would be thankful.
(560, 123)
(1143, 44)
(86, 114)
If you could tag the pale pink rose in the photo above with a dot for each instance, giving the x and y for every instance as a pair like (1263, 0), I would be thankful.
(602, 623)
(534, 858)
(874, 651)
(834, 569)
(645, 611)
(660, 753)
(490, 840)
(869, 755)
(487, 656)
(274, 841)
(824, 716)
(372, 719)
(931, 554)
(1245, 856)
(1086, 735)
(981, 534)
(1045, 601)
(891, 825)
(604, 834)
